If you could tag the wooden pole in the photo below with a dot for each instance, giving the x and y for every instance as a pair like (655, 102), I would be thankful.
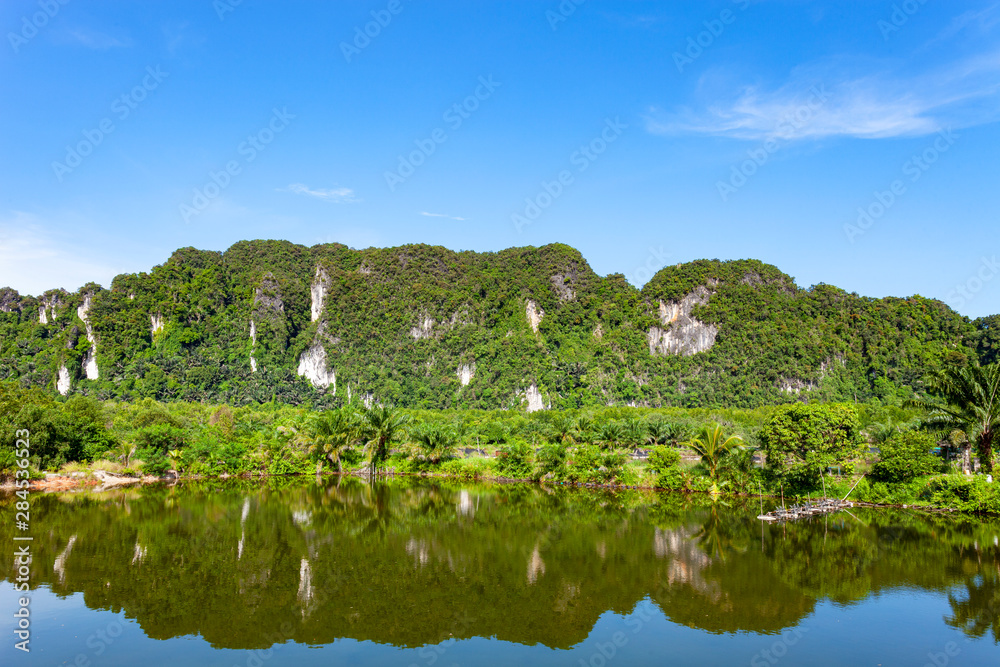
(853, 487)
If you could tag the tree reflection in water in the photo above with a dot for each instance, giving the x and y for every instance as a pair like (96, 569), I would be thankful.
(409, 563)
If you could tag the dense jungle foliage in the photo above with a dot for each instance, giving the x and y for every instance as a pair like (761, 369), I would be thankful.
(399, 324)
(794, 450)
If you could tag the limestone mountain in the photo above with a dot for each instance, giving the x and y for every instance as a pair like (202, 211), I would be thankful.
(423, 326)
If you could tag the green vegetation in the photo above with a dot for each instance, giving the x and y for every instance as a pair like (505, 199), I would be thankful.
(400, 324)
(795, 450)
(802, 442)
(968, 398)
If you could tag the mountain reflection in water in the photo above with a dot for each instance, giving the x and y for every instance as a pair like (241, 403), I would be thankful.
(410, 563)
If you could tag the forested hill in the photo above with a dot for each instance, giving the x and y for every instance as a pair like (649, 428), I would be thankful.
(423, 326)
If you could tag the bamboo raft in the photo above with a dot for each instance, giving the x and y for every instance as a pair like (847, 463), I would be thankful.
(817, 508)
(820, 507)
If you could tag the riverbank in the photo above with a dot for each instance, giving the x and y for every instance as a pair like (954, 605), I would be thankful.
(100, 480)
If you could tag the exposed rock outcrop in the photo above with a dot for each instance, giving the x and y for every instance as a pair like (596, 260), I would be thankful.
(534, 399)
(10, 300)
(253, 346)
(534, 313)
(63, 380)
(563, 286)
(465, 373)
(795, 385)
(90, 368)
(313, 367)
(48, 310)
(155, 324)
(320, 286)
(424, 328)
(268, 295)
(682, 334)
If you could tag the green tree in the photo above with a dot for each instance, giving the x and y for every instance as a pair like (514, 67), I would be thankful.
(905, 456)
(801, 441)
(436, 442)
(383, 426)
(331, 432)
(711, 444)
(967, 398)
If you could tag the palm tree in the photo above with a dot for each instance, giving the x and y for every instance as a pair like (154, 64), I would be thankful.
(967, 398)
(331, 432)
(383, 426)
(436, 442)
(711, 444)
(658, 432)
(634, 432)
(125, 450)
(610, 434)
(585, 429)
(563, 430)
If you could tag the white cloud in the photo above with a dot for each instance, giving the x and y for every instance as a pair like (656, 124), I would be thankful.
(441, 215)
(338, 195)
(99, 41)
(980, 21)
(32, 261)
(872, 106)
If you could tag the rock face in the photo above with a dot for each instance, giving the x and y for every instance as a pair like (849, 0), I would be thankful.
(90, 368)
(253, 345)
(563, 286)
(48, 310)
(319, 288)
(534, 399)
(424, 328)
(465, 373)
(312, 366)
(681, 333)
(155, 324)
(268, 295)
(63, 380)
(534, 313)
(795, 386)
(9, 300)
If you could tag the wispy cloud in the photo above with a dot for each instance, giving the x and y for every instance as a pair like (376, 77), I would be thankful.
(872, 106)
(336, 195)
(441, 215)
(99, 41)
(32, 260)
(981, 21)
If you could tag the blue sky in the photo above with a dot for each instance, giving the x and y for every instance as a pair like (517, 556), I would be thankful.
(851, 143)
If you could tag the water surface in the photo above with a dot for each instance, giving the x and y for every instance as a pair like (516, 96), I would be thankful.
(407, 572)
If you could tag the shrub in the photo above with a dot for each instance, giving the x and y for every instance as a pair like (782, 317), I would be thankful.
(514, 460)
(738, 471)
(589, 464)
(159, 437)
(551, 459)
(474, 468)
(970, 494)
(665, 462)
(905, 456)
(155, 464)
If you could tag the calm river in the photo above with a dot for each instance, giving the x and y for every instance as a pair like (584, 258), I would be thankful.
(419, 573)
